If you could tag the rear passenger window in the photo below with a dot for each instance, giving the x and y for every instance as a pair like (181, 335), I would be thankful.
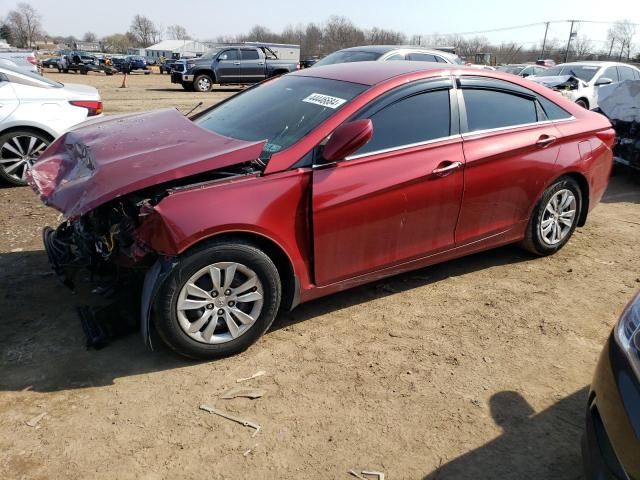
(397, 56)
(414, 119)
(249, 54)
(487, 109)
(441, 60)
(421, 57)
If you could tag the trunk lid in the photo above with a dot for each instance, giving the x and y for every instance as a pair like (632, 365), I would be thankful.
(114, 156)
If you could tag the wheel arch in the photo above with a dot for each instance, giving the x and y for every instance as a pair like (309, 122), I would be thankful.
(205, 71)
(582, 182)
(585, 100)
(279, 256)
(31, 128)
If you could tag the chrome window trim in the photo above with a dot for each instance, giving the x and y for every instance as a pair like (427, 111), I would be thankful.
(510, 127)
(402, 147)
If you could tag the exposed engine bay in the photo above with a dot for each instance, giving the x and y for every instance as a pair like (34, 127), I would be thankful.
(560, 83)
(106, 242)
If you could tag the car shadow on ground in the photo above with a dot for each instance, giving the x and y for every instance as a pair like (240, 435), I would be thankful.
(42, 343)
(532, 445)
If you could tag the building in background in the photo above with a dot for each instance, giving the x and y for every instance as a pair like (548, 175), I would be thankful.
(175, 49)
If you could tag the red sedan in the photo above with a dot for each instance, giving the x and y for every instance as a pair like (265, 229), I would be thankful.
(316, 182)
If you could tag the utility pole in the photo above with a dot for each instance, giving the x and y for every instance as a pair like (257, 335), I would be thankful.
(544, 42)
(566, 53)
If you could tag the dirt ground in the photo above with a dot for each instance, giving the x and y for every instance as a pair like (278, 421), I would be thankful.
(476, 368)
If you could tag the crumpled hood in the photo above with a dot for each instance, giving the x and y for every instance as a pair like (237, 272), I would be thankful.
(556, 80)
(114, 156)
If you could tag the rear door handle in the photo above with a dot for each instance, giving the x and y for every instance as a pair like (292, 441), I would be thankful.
(237, 63)
(446, 168)
(545, 140)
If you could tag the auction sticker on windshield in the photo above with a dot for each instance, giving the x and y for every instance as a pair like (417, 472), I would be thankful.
(324, 100)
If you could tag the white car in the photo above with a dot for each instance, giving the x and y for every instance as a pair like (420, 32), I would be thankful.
(579, 81)
(34, 110)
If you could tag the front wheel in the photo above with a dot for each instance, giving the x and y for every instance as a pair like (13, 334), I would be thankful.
(203, 83)
(218, 300)
(555, 218)
(583, 103)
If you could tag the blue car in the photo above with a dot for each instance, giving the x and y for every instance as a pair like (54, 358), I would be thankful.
(131, 63)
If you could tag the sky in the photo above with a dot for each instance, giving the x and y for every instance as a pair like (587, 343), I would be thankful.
(207, 19)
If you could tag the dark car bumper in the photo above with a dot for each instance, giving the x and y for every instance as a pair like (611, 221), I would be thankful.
(611, 444)
(179, 77)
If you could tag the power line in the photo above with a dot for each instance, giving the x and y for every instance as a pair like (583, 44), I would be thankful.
(529, 25)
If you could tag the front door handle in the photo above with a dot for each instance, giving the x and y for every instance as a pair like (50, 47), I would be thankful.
(446, 168)
(545, 140)
(237, 63)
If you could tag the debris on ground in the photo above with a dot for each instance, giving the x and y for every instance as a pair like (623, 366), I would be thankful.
(255, 375)
(233, 418)
(371, 473)
(236, 392)
(35, 420)
(250, 450)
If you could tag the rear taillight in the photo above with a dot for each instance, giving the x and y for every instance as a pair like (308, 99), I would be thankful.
(298, 66)
(93, 107)
(608, 136)
(32, 60)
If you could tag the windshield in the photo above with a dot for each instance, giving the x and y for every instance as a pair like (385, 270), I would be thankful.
(210, 54)
(281, 111)
(583, 72)
(26, 77)
(346, 56)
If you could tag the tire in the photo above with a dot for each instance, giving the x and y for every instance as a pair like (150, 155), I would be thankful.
(65, 70)
(583, 103)
(187, 86)
(211, 340)
(13, 173)
(202, 83)
(535, 240)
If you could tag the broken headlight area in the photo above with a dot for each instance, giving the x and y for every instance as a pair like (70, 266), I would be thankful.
(102, 242)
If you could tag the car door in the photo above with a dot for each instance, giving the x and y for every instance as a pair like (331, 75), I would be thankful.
(398, 197)
(228, 66)
(510, 147)
(252, 65)
(8, 98)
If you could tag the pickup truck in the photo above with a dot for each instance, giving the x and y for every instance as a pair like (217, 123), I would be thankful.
(25, 59)
(238, 64)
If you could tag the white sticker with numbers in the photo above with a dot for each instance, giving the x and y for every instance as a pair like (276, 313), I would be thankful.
(324, 100)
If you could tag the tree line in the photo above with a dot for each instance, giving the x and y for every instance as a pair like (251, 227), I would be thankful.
(23, 28)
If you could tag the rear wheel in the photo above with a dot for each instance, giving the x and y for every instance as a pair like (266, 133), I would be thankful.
(555, 218)
(203, 83)
(218, 300)
(19, 150)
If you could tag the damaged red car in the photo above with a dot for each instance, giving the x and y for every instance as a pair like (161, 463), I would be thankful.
(312, 183)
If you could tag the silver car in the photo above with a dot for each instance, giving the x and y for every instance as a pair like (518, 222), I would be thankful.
(387, 53)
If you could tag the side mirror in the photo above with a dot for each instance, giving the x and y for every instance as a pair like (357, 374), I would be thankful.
(525, 75)
(603, 81)
(221, 57)
(347, 139)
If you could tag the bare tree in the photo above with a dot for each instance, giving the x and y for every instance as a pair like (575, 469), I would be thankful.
(24, 24)
(143, 31)
(582, 46)
(178, 32)
(89, 37)
(116, 43)
(340, 32)
(621, 36)
(312, 43)
(381, 36)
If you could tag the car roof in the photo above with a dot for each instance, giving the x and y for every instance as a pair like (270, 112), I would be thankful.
(389, 48)
(594, 63)
(371, 73)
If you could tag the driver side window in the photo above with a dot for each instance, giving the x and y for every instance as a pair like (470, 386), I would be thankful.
(414, 119)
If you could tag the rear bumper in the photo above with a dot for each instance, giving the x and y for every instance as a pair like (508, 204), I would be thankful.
(611, 444)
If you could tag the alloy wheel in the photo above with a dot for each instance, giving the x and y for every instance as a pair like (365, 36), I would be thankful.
(19, 153)
(558, 217)
(204, 84)
(220, 302)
